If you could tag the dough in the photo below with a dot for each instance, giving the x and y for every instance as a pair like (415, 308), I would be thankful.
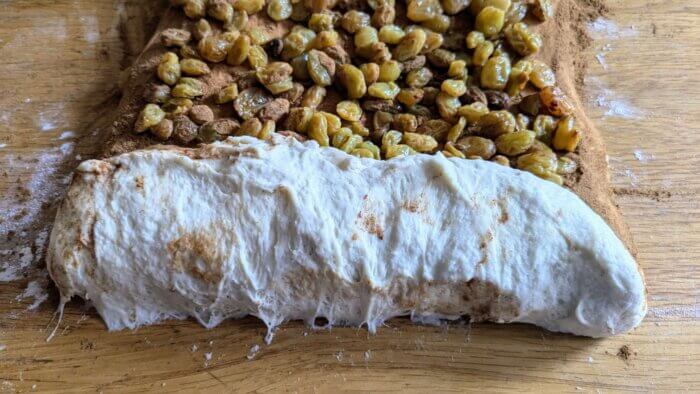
(283, 230)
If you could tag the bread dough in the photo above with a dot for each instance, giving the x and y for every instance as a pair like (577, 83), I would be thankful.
(285, 230)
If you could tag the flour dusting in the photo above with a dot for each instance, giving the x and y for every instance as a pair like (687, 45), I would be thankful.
(66, 135)
(612, 104)
(600, 56)
(35, 290)
(643, 157)
(252, 352)
(603, 28)
(618, 168)
(676, 311)
(12, 269)
(19, 211)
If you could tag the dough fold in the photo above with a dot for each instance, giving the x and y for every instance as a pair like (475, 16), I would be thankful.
(284, 230)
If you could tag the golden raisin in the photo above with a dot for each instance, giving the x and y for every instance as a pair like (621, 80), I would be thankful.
(472, 112)
(410, 96)
(400, 150)
(522, 39)
(391, 34)
(194, 67)
(318, 129)
(313, 96)
(383, 90)
(419, 142)
(298, 119)
(349, 110)
(389, 71)
(279, 10)
(496, 123)
(239, 51)
(405, 122)
(169, 70)
(422, 10)
(555, 101)
(227, 94)
(454, 87)
(516, 143)
(321, 67)
(567, 135)
(448, 106)
(353, 80)
(476, 146)
(410, 46)
(490, 21)
(496, 73)
(188, 88)
(249, 6)
(213, 48)
(194, 9)
(519, 77)
(542, 75)
(150, 116)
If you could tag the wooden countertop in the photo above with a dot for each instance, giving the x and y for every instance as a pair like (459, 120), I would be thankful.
(61, 64)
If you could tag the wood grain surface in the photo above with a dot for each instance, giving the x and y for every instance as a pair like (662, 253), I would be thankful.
(61, 64)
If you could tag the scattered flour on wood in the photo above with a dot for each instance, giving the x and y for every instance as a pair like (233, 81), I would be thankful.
(617, 107)
(36, 290)
(618, 168)
(51, 116)
(603, 28)
(42, 187)
(252, 352)
(13, 269)
(611, 103)
(676, 312)
(66, 135)
(600, 56)
(643, 157)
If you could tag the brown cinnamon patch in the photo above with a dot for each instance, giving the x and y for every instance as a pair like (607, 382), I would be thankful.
(139, 182)
(416, 205)
(196, 254)
(411, 206)
(503, 205)
(369, 223)
(368, 220)
(625, 352)
(486, 238)
(486, 301)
